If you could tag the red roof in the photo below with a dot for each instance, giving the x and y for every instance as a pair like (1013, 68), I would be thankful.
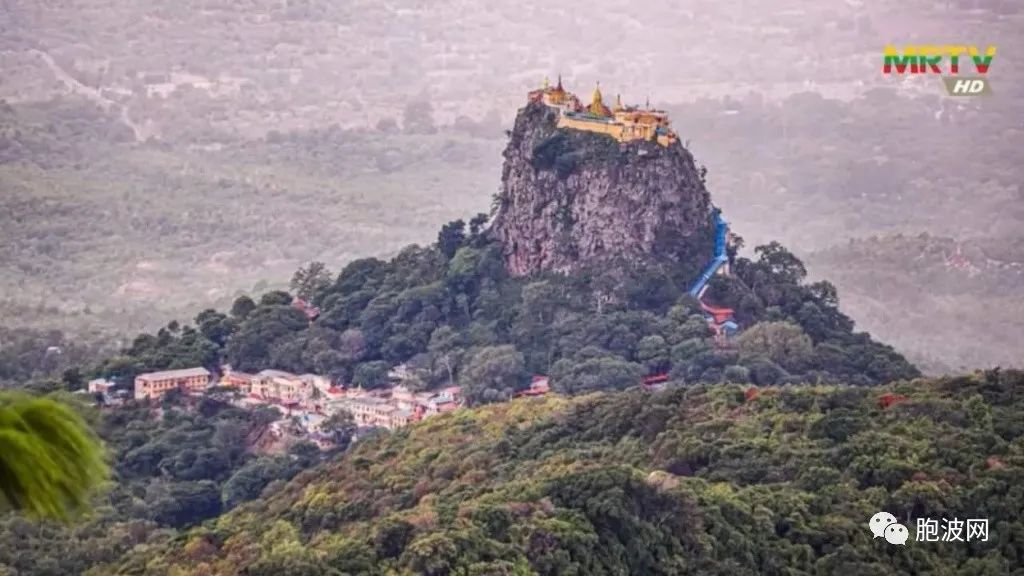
(538, 387)
(720, 314)
(308, 309)
(531, 392)
(656, 379)
(886, 400)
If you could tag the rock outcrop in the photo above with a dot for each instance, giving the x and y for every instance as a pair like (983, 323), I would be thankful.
(572, 199)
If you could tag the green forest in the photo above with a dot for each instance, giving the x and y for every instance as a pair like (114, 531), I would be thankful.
(166, 167)
(452, 314)
(703, 479)
(174, 465)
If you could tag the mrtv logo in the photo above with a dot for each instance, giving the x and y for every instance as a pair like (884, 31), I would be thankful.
(948, 61)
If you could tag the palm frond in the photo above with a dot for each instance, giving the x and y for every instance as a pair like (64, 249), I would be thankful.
(51, 462)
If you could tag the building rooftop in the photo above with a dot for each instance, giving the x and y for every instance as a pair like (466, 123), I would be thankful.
(369, 400)
(276, 374)
(239, 375)
(624, 123)
(168, 374)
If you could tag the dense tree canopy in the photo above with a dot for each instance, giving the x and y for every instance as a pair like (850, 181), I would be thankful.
(526, 488)
(451, 312)
(173, 465)
(701, 479)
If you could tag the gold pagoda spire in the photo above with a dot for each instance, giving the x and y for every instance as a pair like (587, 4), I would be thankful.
(597, 107)
(557, 95)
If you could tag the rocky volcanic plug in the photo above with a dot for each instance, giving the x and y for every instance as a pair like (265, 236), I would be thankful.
(571, 199)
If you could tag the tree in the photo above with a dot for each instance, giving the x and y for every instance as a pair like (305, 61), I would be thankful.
(392, 537)
(50, 461)
(451, 237)
(477, 224)
(591, 374)
(341, 427)
(493, 374)
(360, 274)
(216, 327)
(648, 287)
(653, 352)
(689, 349)
(736, 374)
(187, 503)
(249, 481)
(781, 263)
(242, 306)
(352, 344)
(825, 293)
(371, 375)
(310, 280)
(432, 555)
(276, 298)
(784, 343)
(540, 300)
(249, 348)
(444, 349)
(72, 379)
(352, 556)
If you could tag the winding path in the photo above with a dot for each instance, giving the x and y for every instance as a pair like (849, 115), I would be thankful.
(90, 93)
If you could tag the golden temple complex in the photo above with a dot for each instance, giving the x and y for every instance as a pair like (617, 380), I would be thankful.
(624, 123)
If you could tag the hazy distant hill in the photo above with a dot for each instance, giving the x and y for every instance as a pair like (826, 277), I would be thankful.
(948, 305)
(155, 158)
(128, 236)
(216, 69)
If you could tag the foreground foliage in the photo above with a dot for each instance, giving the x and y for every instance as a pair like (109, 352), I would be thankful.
(174, 465)
(50, 460)
(701, 480)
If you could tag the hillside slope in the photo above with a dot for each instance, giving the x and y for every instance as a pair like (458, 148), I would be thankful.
(702, 480)
(969, 295)
(107, 235)
(216, 84)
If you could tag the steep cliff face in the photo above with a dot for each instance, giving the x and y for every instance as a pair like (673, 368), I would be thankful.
(572, 199)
